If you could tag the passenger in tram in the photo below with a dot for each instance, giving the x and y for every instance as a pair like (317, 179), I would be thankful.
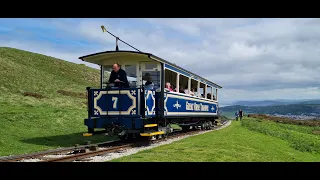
(181, 90)
(196, 93)
(168, 87)
(173, 88)
(186, 91)
(192, 93)
(149, 84)
(214, 98)
(209, 96)
(148, 79)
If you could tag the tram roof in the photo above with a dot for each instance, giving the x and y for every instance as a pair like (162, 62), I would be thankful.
(97, 58)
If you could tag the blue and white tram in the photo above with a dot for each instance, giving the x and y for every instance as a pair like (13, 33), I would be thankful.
(149, 110)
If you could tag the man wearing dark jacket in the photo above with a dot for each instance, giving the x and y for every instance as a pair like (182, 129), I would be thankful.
(118, 76)
(240, 114)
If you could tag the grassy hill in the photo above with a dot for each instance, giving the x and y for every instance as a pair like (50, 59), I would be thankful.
(42, 106)
(42, 101)
(251, 140)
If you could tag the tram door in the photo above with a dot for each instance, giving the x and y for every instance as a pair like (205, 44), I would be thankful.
(150, 74)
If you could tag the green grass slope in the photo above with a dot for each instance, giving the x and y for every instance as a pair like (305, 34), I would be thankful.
(302, 138)
(42, 102)
(235, 143)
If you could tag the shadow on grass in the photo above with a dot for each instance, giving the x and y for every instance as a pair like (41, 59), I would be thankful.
(68, 140)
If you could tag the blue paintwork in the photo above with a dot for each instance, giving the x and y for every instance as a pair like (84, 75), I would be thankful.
(104, 110)
(150, 103)
(124, 122)
(175, 104)
(184, 105)
(114, 102)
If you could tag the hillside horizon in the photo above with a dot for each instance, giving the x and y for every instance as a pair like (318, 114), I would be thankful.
(222, 103)
(43, 102)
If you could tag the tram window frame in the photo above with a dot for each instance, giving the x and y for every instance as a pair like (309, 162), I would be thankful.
(155, 78)
(150, 66)
(171, 77)
(215, 90)
(202, 87)
(194, 86)
(182, 82)
(106, 72)
(133, 80)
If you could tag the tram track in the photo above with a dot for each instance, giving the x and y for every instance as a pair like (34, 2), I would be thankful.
(81, 153)
(74, 149)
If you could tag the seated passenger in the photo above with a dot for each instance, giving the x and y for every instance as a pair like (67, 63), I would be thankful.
(192, 92)
(168, 86)
(214, 98)
(118, 76)
(209, 96)
(181, 90)
(173, 88)
(196, 93)
(148, 79)
(186, 90)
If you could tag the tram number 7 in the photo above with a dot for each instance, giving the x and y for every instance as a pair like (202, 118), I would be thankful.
(115, 100)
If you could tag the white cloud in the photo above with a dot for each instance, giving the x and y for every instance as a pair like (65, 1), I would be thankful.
(251, 58)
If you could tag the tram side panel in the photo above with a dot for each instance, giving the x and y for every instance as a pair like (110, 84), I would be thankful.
(150, 103)
(178, 107)
(109, 107)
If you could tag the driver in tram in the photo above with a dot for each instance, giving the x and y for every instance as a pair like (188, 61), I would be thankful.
(118, 76)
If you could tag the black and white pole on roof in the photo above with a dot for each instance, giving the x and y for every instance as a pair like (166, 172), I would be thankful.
(117, 38)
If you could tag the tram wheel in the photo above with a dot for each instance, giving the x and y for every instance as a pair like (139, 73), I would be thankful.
(123, 137)
(165, 135)
(202, 127)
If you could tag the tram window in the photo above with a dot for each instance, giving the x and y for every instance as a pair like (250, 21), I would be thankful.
(106, 74)
(183, 84)
(202, 91)
(209, 94)
(131, 71)
(214, 94)
(150, 66)
(151, 78)
(194, 88)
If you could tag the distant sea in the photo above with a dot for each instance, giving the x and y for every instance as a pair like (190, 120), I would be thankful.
(222, 105)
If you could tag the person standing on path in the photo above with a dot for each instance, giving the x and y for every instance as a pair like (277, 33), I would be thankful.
(240, 114)
(236, 115)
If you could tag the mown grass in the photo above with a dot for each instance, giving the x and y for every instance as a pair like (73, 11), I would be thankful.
(312, 122)
(232, 144)
(42, 102)
(300, 137)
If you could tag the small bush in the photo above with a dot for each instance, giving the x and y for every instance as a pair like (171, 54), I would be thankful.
(314, 122)
(35, 95)
(72, 94)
